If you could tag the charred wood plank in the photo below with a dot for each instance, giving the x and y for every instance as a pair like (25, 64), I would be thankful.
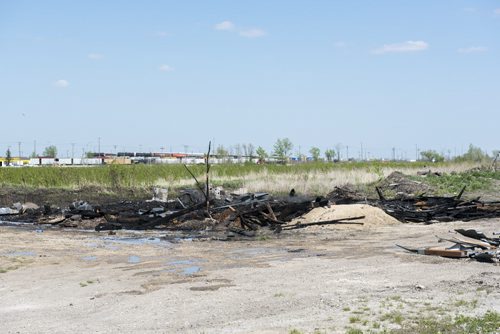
(326, 222)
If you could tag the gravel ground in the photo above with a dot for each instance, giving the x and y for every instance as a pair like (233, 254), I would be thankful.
(322, 280)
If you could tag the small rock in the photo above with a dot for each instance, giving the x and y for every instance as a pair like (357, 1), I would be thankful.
(18, 206)
(29, 206)
(8, 211)
(81, 205)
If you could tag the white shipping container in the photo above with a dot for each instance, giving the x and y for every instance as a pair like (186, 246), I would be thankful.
(34, 162)
(65, 161)
(48, 161)
(92, 161)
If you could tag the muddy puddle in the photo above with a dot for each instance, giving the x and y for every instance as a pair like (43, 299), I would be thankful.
(20, 253)
(134, 259)
(137, 250)
(185, 267)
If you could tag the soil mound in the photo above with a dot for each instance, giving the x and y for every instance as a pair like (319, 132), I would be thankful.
(402, 186)
(345, 194)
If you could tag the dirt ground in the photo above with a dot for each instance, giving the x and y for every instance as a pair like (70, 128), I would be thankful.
(322, 279)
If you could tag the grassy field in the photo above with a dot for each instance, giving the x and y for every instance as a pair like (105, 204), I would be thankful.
(309, 178)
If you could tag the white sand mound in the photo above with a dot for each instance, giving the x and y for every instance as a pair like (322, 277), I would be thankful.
(373, 216)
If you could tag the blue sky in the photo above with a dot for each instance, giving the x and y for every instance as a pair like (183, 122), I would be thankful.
(175, 74)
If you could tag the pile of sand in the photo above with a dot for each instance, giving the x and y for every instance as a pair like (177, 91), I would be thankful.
(373, 216)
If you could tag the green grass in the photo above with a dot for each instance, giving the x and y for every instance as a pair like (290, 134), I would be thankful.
(394, 317)
(465, 303)
(295, 331)
(307, 178)
(354, 319)
(86, 283)
(108, 176)
(148, 175)
(454, 182)
(485, 324)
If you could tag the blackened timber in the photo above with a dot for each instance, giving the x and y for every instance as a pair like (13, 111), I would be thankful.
(327, 222)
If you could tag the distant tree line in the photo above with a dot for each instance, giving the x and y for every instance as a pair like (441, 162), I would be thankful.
(473, 154)
(282, 151)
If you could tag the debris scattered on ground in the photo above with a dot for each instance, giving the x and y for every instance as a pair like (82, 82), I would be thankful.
(403, 186)
(345, 194)
(475, 245)
(432, 209)
(229, 215)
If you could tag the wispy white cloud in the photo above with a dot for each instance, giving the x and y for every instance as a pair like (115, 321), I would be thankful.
(61, 83)
(253, 33)
(408, 46)
(497, 11)
(470, 9)
(95, 56)
(248, 33)
(340, 44)
(162, 34)
(165, 68)
(224, 25)
(473, 49)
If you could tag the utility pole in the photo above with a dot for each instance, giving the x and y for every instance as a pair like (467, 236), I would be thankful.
(34, 149)
(19, 149)
(99, 146)
(361, 152)
(72, 150)
(393, 154)
(347, 152)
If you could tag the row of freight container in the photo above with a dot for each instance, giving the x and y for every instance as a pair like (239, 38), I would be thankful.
(120, 161)
(64, 161)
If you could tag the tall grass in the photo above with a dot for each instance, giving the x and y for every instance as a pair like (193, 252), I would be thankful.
(306, 178)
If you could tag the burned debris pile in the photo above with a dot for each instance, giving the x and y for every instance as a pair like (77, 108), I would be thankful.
(243, 215)
(346, 194)
(211, 209)
(432, 209)
(470, 244)
(239, 214)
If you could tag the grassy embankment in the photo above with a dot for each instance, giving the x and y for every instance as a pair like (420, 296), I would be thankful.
(309, 178)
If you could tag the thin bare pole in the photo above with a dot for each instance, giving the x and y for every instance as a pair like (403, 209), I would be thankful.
(196, 180)
(207, 197)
